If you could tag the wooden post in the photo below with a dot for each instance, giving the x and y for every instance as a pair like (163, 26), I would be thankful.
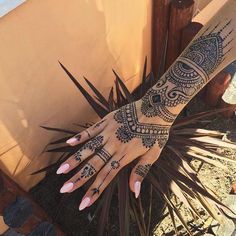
(181, 12)
(188, 33)
(216, 88)
(160, 22)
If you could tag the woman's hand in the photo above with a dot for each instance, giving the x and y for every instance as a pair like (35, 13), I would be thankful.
(119, 138)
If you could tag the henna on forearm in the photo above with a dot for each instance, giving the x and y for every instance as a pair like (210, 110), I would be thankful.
(195, 67)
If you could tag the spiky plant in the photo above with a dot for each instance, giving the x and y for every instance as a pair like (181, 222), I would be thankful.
(171, 175)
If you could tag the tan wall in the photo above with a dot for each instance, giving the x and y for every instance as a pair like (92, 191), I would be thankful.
(90, 37)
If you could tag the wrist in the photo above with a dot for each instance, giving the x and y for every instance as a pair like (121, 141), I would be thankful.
(149, 119)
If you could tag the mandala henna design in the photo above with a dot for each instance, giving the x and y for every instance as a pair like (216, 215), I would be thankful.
(142, 170)
(104, 155)
(132, 128)
(114, 165)
(189, 73)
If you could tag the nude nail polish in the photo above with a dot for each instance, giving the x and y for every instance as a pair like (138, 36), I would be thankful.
(63, 168)
(84, 203)
(137, 187)
(72, 141)
(66, 188)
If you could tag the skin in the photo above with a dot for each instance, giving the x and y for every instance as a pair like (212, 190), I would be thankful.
(120, 148)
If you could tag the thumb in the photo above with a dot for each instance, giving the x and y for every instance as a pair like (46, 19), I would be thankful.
(141, 169)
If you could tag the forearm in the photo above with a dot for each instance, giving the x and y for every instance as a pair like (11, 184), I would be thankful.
(211, 50)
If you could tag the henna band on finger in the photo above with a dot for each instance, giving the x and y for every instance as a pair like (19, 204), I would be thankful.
(92, 145)
(88, 133)
(104, 155)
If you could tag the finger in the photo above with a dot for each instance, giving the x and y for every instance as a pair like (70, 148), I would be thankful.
(88, 133)
(141, 169)
(83, 153)
(105, 176)
(94, 165)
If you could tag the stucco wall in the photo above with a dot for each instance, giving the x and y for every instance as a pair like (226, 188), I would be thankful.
(90, 37)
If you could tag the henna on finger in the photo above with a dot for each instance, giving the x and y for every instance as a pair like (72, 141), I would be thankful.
(104, 155)
(113, 165)
(87, 171)
(78, 137)
(92, 145)
(142, 170)
(95, 143)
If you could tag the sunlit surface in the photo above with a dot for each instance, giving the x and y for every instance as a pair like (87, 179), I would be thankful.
(8, 5)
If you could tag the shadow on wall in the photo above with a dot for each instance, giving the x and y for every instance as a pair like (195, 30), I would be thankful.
(90, 37)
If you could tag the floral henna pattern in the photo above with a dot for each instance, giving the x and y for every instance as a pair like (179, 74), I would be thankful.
(88, 171)
(131, 128)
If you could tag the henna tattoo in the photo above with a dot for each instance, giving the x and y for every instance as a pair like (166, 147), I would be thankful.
(78, 155)
(104, 155)
(189, 73)
(78, 137)
(93, 145)
(142, 170)
(132, 128)
(88, 133)
(114, 165)
(152, 105)
(88, 171)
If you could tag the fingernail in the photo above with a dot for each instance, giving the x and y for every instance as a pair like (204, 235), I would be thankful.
(63, 168)
(66, 188)
(72, 141)
(84, 203)
(137, 186)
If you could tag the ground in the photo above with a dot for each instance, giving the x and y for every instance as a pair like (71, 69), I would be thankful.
(76, 223)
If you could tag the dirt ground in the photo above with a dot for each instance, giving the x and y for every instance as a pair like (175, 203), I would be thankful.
(64, 210)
